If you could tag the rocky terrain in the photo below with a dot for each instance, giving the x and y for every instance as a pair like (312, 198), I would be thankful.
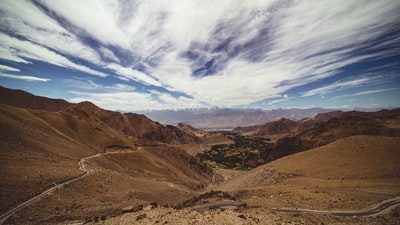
(257, 145)
(41, 148)
(142, 172)
(352, 174)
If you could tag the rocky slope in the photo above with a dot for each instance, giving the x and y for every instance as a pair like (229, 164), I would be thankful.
(134, 125)
(254, 149)
(351, 174)
(286, 127)
(380, 123)
(190, 129)
(42, 147)
(24, 99)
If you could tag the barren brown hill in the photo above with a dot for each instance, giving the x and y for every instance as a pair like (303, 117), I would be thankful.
(310, 133)
(322, 117)
(381, 123)
(134, 125)
(286, 127)
(34, 155)
(356, 157)
(188, 128)
(352, 174)
(24, 99)
(349, 175)
(41, 148)
(279, 128)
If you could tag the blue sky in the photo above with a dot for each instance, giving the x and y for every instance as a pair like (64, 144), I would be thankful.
(176, 54)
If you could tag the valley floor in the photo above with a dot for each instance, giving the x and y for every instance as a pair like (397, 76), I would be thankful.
(319, 179)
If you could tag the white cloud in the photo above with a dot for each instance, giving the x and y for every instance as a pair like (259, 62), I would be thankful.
(24, 77)
(132, 74)
(365, 93)
(135, 101)
(363, 80)
(91, 85)
(307, 42)
(279, 100)
(8, 68)
(19, 50)
(265, 47)
(108, 54)
(98, 18)
(23, 18)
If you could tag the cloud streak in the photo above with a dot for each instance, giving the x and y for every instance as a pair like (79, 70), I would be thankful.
(8, 68)
(24, 77)
(365, 93)
(348, 83)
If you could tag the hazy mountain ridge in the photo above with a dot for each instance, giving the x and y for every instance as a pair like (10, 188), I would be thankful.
(229, 118)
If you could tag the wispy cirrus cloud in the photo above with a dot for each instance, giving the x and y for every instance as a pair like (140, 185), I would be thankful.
(8, 68)
(126, 73)
(24, 77)
(91, 85)
(365, 93)
(22, 51)
(372, 79)
(5, 69)
(135, 101)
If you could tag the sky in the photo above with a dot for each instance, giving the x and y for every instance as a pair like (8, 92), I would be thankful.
(177, 54)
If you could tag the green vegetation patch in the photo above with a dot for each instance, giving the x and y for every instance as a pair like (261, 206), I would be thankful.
(245, 153)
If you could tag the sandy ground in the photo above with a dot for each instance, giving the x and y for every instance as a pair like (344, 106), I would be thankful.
(333, 177)
(303, 180)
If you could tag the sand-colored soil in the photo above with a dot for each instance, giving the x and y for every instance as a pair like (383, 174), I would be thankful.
(351, 174)
(41, 148)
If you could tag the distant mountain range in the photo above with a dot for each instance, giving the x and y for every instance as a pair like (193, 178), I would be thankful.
(224, 118)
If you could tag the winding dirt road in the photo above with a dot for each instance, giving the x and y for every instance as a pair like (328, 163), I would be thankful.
(217, 205)
(82, 167)
(378, 209)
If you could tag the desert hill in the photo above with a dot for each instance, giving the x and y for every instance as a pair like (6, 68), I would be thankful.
(24, 99)
(380, 123)
(323, 122)
(355, 157)
(322, 117)
(350, 174)
(191, 129)
(41, 148)
(257, 145)
(143, 167)
(134, 125)
(286, 127)
(325, 128)
(277, 129)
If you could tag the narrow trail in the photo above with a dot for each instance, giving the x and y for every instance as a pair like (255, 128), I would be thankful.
(218, 204)
(378, 209)
(82, 166)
